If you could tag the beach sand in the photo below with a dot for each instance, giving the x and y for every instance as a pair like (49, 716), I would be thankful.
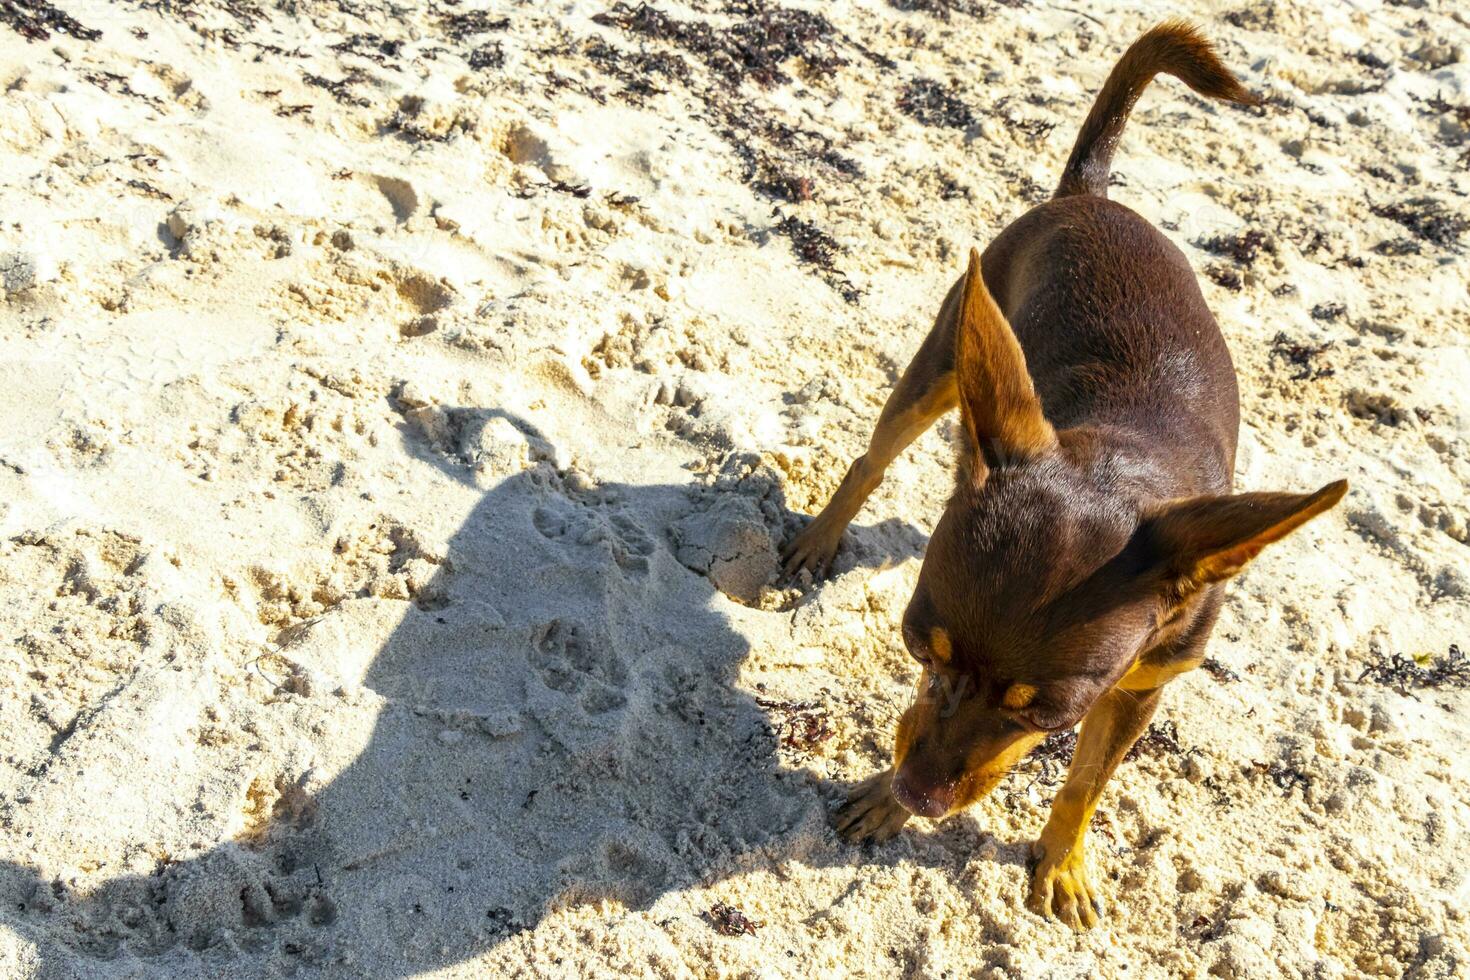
(401, 408)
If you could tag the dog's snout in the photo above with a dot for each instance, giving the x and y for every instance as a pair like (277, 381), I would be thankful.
(922, 800)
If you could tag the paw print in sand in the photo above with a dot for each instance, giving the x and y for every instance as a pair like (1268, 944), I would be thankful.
(623, 539)
(574, 663)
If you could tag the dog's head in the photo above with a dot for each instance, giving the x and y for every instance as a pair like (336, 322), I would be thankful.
(1040, 587)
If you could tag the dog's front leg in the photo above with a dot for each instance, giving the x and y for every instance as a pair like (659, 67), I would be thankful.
(871, 812)
(1059, 883)
(905, 417)
(925, 392)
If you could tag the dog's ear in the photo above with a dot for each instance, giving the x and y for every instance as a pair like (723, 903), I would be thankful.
(1001, 413)
(1201, 540)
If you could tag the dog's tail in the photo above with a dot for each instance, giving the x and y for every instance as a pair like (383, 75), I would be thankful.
(1174, 48)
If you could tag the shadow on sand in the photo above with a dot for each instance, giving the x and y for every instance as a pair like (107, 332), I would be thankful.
(560, 724)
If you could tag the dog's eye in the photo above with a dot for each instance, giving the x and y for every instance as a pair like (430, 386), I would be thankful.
(1031, 723)
(1045, 721)
(917, 647)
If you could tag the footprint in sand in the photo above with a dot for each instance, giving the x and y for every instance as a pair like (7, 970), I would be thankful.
(571, 661)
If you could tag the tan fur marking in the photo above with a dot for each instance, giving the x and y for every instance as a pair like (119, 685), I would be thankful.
(940, 646)
(998, 403)
(1017, 696)
(1146, 676)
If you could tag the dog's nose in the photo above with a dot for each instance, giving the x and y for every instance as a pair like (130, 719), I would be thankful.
(928, 801)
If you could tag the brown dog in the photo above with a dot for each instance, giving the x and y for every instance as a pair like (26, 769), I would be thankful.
(1079, 564)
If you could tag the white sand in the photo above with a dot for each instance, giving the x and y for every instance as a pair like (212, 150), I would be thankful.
(352, 474)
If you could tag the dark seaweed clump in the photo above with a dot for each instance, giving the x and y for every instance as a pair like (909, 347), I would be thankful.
(490, 55)
(814, 246)
(934, 104)
(1460, 112)
(757, 46)
(779, 161)
(339, 88)
(459, 26)
(1046, 766)
(800, 724)
(1223, 275)
(1285, 777)
(1261, 17)
(730, 921)
(1370, 61)
(463, 26)
(1403, 673)
(34, 20)
(1427, 219)
(1161, 739)
(940, 8)
(1244, 248)
(1219, 671)
(1301, 358)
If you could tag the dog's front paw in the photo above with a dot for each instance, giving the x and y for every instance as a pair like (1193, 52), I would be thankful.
(813, 549)
(871, 812)
(1059, 886)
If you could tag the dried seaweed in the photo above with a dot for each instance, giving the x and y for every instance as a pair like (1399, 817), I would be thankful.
(111, 81)
(1223, 275)
(933, 104)
(373, 47)
(1285, 777)
(1244, 248)
(951, 189)
(1398, 246)
(148, 190)
(1460, 112)
(1046, 766)
(800, 724)
(1260, 17)
(1302, 358)
(730, 921)
(1033, 130)
(490, 55)
(340, 88)
(779, 161)
(757, 46)
(34, 20)
(815, 247)
(248, 15)
(1403, 673)
(1161, 739)
(1219, 671)
(1427, 219)
(461, 26)
(940, 8)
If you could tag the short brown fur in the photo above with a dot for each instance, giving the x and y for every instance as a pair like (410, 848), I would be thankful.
(1078, 565)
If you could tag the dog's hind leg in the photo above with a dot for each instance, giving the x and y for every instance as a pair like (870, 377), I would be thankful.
(925, 392)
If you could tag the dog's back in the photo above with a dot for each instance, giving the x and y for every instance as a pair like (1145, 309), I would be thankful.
(1115, 330)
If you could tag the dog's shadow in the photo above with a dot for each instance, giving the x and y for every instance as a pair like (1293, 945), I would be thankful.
(555, 720)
